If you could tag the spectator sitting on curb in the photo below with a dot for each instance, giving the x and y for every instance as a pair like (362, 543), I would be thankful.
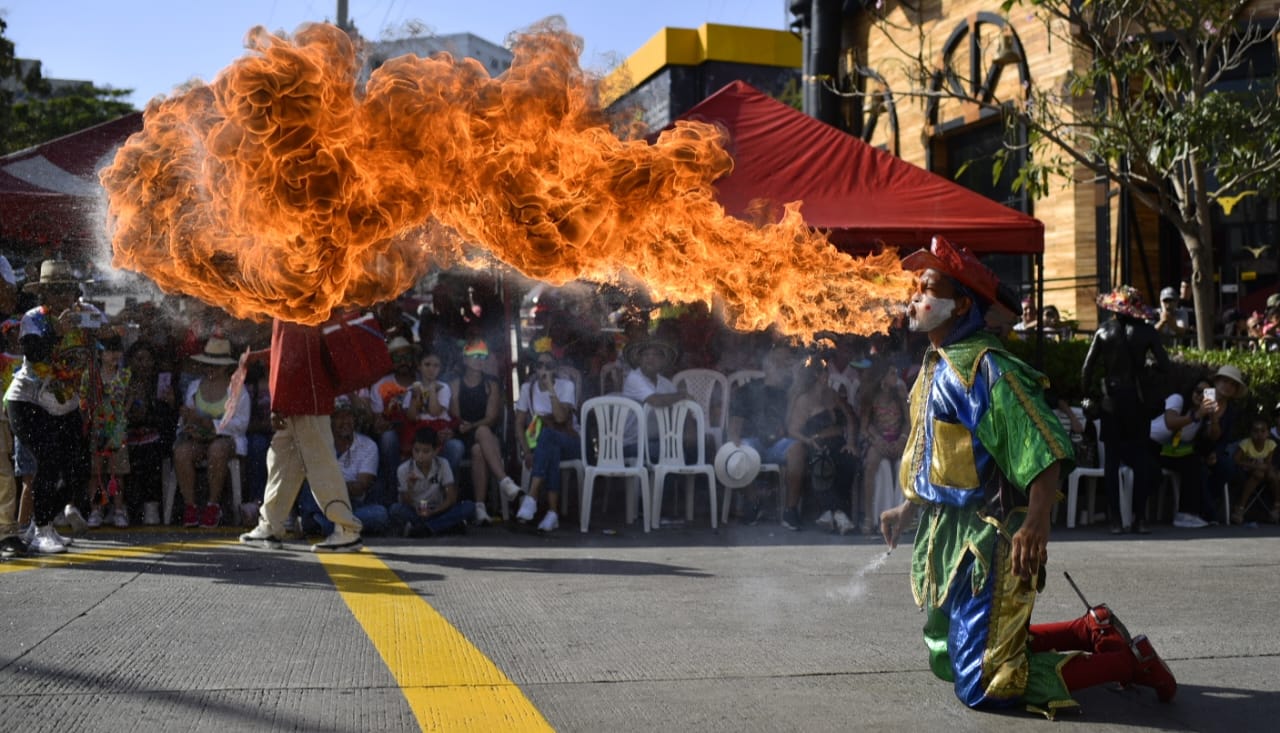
(428, 503)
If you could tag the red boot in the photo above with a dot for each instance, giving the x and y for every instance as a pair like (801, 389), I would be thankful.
(1151, 671)
(1097, 630)
(1107, 631)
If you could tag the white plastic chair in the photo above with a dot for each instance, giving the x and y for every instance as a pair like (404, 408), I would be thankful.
(710, 389)
(727, 501)
(1085, 472)
(1174, 484)
(840, 383)
(608, 416)
(169, 486)
(671, 456)
(742, 376)
(611, 378)
(888, 490)
(738, 379)
(573, 374)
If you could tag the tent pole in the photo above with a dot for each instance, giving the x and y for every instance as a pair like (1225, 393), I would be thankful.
(1038, 260)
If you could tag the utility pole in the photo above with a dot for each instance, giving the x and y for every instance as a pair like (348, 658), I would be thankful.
(343, 23)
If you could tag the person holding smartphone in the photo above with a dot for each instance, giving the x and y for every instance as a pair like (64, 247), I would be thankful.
(546, 413)
(1175, 431)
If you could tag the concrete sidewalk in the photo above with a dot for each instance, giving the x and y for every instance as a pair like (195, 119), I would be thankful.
(747, 629)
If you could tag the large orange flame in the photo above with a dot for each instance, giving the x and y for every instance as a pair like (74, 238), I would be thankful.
(284, 190)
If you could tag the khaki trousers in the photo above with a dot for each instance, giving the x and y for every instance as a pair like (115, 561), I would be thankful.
(303, 449)
(9, 492)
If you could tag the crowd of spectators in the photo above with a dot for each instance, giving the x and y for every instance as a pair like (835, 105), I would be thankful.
(165, 405)
(1174, 319)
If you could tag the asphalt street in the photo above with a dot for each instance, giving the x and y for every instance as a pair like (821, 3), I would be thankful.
(681, 629)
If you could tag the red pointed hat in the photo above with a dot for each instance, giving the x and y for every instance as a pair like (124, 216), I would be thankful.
(958, 263)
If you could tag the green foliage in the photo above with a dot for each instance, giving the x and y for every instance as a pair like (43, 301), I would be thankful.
(792, 95)
(1174, 104)
(45, 113)
(1062, 362)
(39, 120)
(1260, 369)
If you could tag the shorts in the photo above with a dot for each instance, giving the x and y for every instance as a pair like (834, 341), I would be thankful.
(776, 453)
(24, 461)
(118, 461)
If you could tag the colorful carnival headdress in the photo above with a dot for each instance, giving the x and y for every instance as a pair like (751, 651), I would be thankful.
(1127, 301)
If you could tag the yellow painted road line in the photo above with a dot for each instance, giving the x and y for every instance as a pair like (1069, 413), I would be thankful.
(81, 555)
(449, 684)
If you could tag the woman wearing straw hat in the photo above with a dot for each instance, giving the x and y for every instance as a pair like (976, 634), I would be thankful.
(211, 429)
(1224, 410)
(44, 407)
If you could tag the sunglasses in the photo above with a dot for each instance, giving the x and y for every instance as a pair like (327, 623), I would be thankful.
(547, 365)
(477, 356)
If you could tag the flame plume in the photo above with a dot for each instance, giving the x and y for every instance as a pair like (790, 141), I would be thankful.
(283, 190)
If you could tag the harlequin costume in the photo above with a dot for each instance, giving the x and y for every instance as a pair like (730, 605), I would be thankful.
(981, 432)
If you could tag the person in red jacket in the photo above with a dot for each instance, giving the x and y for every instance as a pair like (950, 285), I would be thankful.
(302, 395)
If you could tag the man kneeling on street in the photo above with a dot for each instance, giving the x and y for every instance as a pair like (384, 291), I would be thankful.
(982, 462)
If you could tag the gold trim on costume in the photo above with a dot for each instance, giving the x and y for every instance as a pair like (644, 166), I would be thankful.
(1037, 417)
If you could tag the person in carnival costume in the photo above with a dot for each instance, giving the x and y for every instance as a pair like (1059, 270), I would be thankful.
(982, 463)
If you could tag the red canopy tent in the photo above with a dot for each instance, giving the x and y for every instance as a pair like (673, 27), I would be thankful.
(50, 195)
(863, 196)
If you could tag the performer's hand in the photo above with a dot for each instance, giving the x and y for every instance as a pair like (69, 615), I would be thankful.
(1030, 550)
(893, 521)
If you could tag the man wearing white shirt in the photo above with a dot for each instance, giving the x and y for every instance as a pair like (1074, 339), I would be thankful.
(358, 459)
(646, 384)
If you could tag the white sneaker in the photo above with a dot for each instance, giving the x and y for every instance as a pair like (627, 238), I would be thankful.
(339, 541)
(528, 507)
(1188, 521)
(482, 515)
(826, 521)
(844, 525)
(46, 541)
(65, 540)
(151, 513)
(95, 518)
(120, 518)
(550, 522)
(28, 535)
(509, 488)
(75, 520)
(261, 536)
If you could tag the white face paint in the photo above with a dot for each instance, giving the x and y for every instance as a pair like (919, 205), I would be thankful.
(927, 312)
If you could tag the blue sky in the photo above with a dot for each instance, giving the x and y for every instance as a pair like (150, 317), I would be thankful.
(152, 46)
